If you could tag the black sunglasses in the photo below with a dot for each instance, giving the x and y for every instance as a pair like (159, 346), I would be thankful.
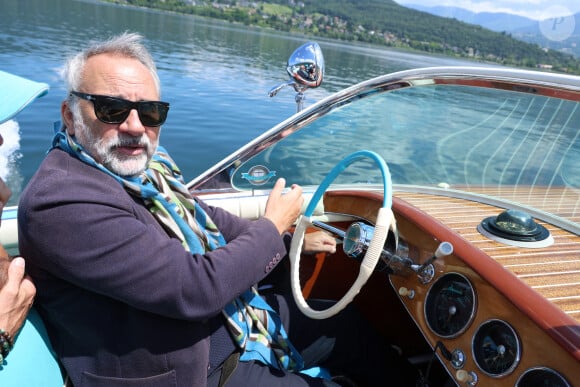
(113, 110)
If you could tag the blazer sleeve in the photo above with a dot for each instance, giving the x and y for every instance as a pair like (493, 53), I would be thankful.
(80, 229)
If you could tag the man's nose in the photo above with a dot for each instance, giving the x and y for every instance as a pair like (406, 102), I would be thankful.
(132, 124)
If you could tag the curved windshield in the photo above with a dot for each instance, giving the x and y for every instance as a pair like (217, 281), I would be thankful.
(500, 136)
(448, 136)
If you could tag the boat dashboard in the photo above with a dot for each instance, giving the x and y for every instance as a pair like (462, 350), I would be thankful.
(489, 313)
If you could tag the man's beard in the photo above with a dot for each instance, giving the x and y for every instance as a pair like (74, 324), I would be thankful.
(104, 150)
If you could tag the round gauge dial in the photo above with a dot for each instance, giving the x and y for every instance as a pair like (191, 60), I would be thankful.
(450, 305)
(496, 348)
(541, 377)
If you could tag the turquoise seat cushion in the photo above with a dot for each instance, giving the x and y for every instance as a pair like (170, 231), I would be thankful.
(16, 93)
(31, 362)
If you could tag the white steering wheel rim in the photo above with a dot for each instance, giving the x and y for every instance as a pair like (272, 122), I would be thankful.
(385, 220)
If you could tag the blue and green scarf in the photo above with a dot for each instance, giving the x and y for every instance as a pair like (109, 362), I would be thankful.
(254, 325)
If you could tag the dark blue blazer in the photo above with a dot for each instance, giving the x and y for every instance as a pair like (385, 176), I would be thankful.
(125, 304)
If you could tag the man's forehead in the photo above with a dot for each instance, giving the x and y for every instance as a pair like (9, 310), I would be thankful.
(116, 74)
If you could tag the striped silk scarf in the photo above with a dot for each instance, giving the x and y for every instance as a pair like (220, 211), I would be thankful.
(254, 325)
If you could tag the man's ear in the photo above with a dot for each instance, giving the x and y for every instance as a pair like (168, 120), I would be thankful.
(67, 117)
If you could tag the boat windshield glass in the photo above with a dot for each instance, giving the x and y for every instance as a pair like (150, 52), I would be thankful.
(516, 146)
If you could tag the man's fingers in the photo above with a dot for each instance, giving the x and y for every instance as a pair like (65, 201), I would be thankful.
(294, 194)
(15, 273)
(279, 186)
(27, 287)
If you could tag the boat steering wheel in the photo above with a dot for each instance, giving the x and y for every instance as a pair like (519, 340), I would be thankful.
(385, 219)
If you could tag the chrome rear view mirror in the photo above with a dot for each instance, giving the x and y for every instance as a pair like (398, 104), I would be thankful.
(306, 69)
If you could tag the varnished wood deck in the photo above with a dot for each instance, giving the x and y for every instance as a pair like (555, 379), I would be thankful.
(560, 201)
(553, 271)
(532, 290)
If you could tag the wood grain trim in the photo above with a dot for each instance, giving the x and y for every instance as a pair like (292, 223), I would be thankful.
(511, 86)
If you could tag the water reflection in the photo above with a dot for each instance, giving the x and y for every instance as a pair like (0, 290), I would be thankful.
(216, 75)
(433, 135)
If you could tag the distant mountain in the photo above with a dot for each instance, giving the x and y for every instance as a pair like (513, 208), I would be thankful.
(519, 27)
(498, 22)
(382, 22)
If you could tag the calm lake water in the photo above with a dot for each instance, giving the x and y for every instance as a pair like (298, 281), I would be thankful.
(216, 76)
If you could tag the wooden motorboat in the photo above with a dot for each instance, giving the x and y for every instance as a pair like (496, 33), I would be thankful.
(455, 194)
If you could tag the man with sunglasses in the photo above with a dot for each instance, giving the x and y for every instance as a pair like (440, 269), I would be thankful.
(138, 282)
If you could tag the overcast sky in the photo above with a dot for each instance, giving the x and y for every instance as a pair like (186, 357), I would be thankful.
(533, 9)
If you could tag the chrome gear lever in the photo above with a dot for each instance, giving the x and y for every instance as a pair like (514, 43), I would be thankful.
(426, 271)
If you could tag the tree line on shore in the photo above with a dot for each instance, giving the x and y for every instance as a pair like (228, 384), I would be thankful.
(380, 22)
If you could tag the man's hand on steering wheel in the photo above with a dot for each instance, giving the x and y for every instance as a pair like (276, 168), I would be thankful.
(318, 242)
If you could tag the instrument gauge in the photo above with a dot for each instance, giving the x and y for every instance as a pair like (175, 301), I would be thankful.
(450, 305)
(496, 348)
(541, 377)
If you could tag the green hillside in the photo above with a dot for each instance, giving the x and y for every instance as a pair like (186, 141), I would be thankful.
(381, 22)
